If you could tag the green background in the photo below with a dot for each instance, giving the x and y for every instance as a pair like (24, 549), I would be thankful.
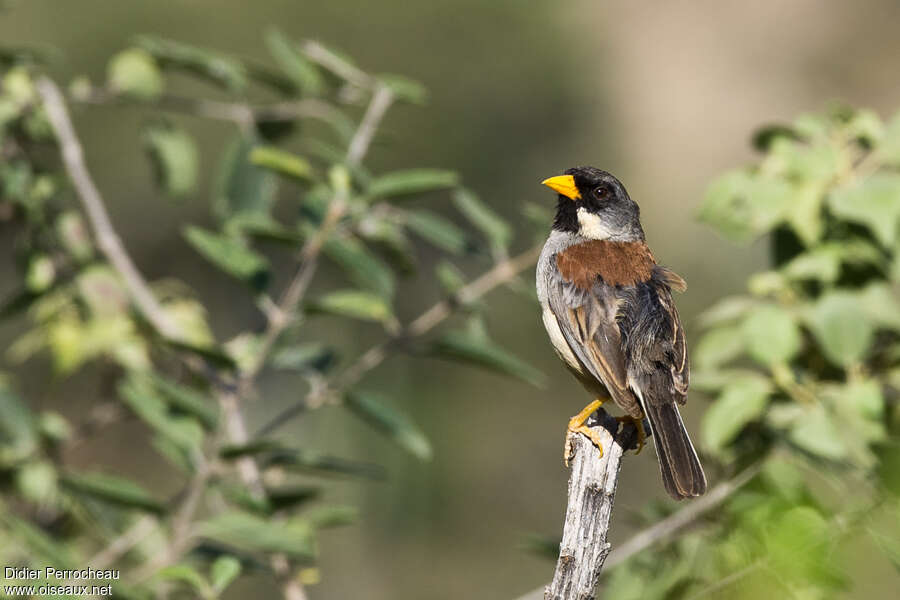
(663, 95)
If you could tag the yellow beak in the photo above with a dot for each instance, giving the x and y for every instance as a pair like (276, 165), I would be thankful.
(564, 184)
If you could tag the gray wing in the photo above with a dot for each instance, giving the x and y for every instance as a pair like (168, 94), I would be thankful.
(588, 322)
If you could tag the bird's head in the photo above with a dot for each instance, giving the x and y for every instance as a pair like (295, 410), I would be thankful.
(594, 204)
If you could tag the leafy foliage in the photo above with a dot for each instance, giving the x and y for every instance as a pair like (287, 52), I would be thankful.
(242, 501)
(802, 370)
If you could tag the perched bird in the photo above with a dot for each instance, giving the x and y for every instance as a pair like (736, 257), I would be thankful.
(608, 309)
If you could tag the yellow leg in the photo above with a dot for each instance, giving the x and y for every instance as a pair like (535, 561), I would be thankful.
(639, 425)
(576, 425)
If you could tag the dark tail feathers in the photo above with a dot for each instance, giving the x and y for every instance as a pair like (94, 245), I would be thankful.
(681, 471)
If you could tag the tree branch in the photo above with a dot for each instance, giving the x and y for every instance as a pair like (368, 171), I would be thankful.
(501, 273)
(671, 525)
(107, 239)
(592, 492)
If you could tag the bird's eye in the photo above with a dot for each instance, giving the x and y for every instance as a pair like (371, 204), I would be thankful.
(600, 192)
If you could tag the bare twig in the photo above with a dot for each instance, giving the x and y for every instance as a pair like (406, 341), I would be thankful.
(337, 65)
(107, 238)
(123, 543)
(499, 274)
(668, 527)
(592, 491)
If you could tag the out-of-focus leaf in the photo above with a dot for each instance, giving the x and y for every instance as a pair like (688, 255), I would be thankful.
(210, 353)
(112, 489)
(37, 482)
(303, 357)
(873, 202)
(404, 88)
(281, 161)
(101, 289)
(741, 205)
(742, 402)
(41, 273)
(273, 453)
(395, 425)
(495, 229)
(259, 225)
(390, 237)
(728, 309)
(74, 236)
(241, 186)
(842, 331)
(186, 399)
(882, 305)
(465, 347)
(225, 71)
(798, 547)
(764, 136)
(230, 255)
(175, 157)
(437, 230)
(250, 532)
(37, 541)
(302, 73)
(134, 73)
(335, 515)
(771, 335)
(411, 181)
(450, 278)
(188, 575)
(290, 497)
(16, 303)
(817, 434)
(352, 303)
(139, 394)
(718, 346)
(361, 266)
(805, 214)
(223, 571)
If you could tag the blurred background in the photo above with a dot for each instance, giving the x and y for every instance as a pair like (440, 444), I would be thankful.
(665, 95)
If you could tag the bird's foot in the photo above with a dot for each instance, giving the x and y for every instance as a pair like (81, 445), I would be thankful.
(576, 425)
(639, 425)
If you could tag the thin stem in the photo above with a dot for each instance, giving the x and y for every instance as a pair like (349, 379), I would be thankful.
(501, 273)
(107, 239)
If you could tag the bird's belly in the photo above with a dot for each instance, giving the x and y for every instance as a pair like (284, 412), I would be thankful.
(559, 341)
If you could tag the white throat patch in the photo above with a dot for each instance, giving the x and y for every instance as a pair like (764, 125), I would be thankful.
(595, 228)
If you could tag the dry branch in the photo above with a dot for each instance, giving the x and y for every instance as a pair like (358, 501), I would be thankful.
(592, 492)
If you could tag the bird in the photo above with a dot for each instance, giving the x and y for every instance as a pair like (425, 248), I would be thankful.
(607, 307)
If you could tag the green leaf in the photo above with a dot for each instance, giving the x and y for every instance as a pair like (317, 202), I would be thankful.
(398, 427)
(889, 148)
(281, 161)
(495, 229)
(112, 489)
(222, 70)
(798, 546)
(249, 532)
(134, 73)
(241, 186)
(41, 273)
(230, 255)
(771, 335)
(18, 437)
(174, 157)
(138, 393)
(214, 355)
(437, 230)
(805, 214)
(450, 277)
(223, 571)
(817, 434)
(44, 547)
(353, 303)
(404, 88)
(843, 333)
(186, 574)
(335, 515)
(873, 202)
(465, 347)
(726, 310)
(186, 399)
(718, 346)
(363, 268)
(882, 305)
(741, 205)
(742, 402)
(273, 453)
(411, 181)
(302, 73)
(304, 357)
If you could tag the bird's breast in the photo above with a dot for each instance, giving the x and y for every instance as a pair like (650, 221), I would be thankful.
(616, 263)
